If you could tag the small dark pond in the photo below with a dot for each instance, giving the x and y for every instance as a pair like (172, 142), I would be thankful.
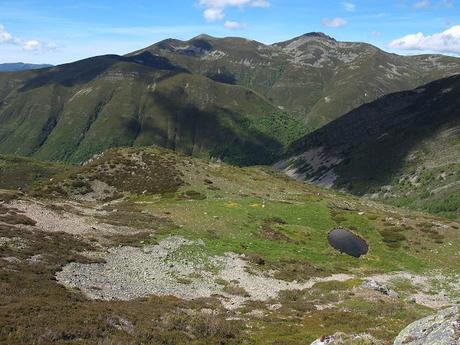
(347, 242)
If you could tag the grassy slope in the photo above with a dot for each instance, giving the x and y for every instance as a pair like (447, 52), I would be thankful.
(277, 223)
(228, 207)
(73, 111)
(21, 172)
(403, 147)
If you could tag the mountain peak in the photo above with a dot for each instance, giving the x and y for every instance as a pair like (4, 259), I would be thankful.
(310, 36)
(321, 35)
(203, 37)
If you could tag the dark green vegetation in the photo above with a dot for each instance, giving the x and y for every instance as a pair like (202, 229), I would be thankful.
(20, 172)
(74, 111)
(277, 223)
(403, 148)
(232, 99)
(19, 66)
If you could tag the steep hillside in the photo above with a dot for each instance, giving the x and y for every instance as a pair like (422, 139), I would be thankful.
(313, 76)
(20, 66)
(148, 246)
(404, 148)
(74, 111)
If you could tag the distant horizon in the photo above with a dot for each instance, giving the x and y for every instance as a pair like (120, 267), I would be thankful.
(54, 33)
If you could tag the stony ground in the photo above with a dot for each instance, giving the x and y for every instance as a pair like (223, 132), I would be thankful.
(220, 256)
(129, 273)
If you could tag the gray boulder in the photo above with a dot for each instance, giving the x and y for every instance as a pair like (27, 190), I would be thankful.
(379, 287)
(440, 329)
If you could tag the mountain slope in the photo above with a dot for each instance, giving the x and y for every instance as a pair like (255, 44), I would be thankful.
(312, 76)
(20, 66)
(74, 111)
(404, 147)
(148, 246)
(229, 98)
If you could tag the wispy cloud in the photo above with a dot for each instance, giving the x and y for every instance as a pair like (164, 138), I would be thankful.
(422, 4)
(425, 4)
(27, 45)
(349, 6)
(334, 23)
(447, 41)
(5, 36)
(232, 25)
(214, 10)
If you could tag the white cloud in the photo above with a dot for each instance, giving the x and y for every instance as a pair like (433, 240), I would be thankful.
(214, 10)
(5, 36)
(425, 4)
(376, 33)
(30, 45)
(349, 6)
(334, 23)
(234, 25)
(214, 14)
(445, 42)
(422, 4)
(35, 46)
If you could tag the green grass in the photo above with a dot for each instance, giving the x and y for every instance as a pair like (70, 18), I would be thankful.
(278, 224)
(383, 318)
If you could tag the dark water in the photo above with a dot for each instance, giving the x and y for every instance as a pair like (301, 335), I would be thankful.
(347, 242)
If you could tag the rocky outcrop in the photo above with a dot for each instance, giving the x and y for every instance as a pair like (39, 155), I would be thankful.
(440, 329)
(379, 287)
(346, 339)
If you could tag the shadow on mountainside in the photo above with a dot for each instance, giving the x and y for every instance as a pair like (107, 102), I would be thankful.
(83, 71)
(375, 139)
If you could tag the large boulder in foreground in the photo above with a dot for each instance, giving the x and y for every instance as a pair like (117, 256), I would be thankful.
(440, 329)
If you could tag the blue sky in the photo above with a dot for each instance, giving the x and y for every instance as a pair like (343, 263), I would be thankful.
(52, 31)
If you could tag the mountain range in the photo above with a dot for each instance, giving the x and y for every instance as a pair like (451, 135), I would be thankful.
(20, 66)
(312, 76)
(227, 98)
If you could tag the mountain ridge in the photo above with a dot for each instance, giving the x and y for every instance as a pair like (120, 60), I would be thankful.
(306, 75)
(257, 98)
(21, 66)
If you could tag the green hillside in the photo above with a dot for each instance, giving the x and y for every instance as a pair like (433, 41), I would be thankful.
(312, 76)
(74, 111)
(403, 148)
(223, 98)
